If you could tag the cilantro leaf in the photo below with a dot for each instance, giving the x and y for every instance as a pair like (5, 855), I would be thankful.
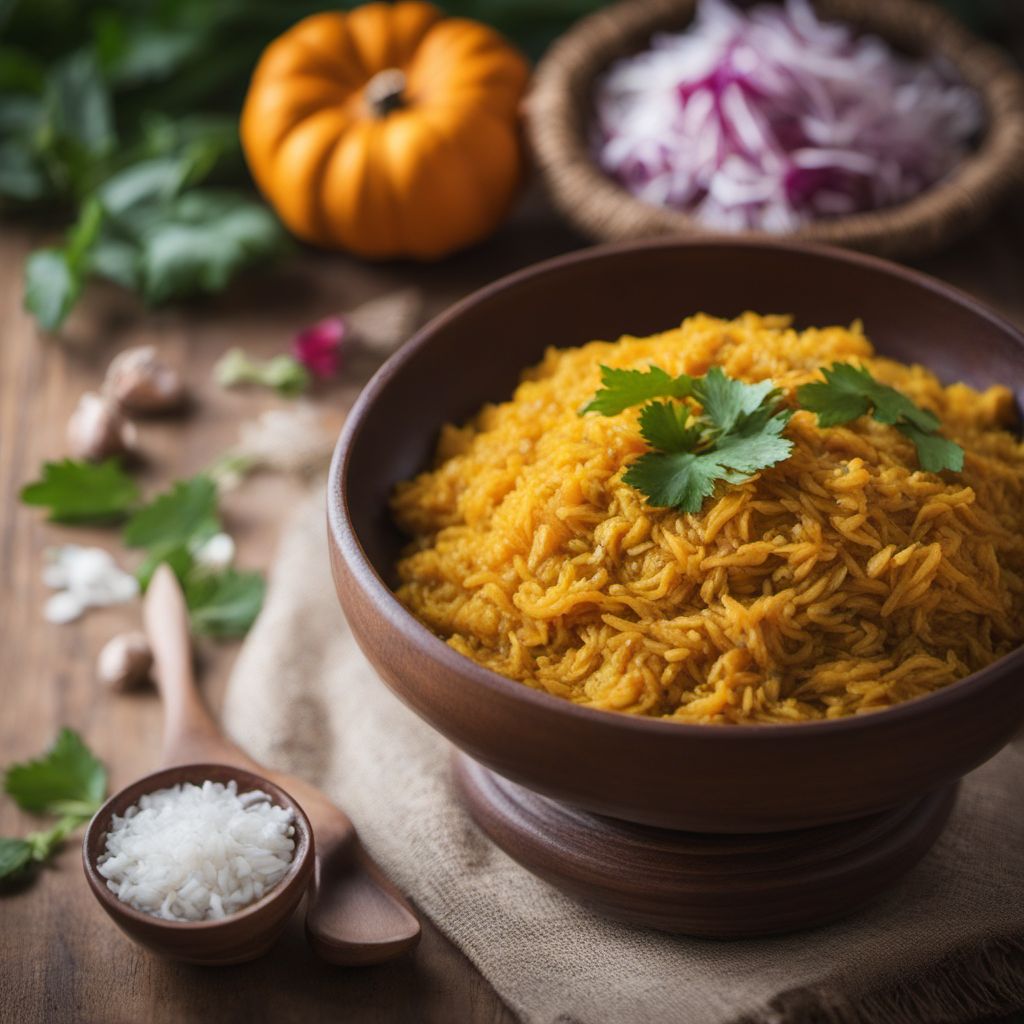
(674, 479)
(664, 426)
(67, 780)
(738, 432)
(83, 492)
(15, 854)
(621, 389)
(726, 401)
(934, 452)
(850, 391)
(224, 604)
(185, 513)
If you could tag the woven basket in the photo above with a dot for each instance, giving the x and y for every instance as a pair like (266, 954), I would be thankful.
(559, 113)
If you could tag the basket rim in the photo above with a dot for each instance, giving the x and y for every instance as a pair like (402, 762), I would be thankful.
(557, 114)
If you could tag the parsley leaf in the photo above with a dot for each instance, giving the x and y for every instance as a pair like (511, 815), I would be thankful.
(15, 854)
(665, 426)
(67, 780)
(621, 389)
(224, 604)
(185, 513)
(727, 402)
(849, 391)
(935, 453)
(83, 492)
(737, 432)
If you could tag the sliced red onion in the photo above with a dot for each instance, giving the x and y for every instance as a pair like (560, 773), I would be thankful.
(770, 118)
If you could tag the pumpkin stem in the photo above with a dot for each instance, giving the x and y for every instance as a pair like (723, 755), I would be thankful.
(384, 92)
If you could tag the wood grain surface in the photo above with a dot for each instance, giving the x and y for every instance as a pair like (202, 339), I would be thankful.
(60, 958)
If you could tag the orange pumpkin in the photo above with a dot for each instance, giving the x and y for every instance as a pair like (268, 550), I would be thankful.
(389, 130)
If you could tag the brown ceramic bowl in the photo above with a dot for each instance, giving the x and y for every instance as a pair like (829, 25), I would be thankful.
(235, 939)
(695, 777)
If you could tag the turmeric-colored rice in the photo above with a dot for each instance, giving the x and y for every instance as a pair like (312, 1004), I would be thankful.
(840, 581)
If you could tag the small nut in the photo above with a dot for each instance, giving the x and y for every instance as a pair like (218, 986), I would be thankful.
(141, 382)
(125, 662)
(97, 429)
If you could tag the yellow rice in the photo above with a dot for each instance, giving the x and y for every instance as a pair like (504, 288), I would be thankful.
(840, 581)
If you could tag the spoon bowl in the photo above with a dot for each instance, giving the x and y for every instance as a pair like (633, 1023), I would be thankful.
(241, 936)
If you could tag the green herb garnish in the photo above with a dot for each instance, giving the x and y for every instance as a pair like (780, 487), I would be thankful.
(850, 391)
(68, 781)
(736, 432)
(720, 429)
(172, 528)
(83, 492)
(224, 604)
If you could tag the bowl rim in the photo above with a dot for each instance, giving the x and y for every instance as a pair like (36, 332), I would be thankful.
(433, 648)
(302, 856)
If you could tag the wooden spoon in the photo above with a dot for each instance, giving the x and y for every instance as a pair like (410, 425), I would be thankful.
(354, 914)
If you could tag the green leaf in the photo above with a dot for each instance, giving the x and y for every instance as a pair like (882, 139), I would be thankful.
(621, 389)
(748, 453)
(726, 401)
(224, 604)
(177, 556)
(850, 391)
(81, 104)
(15, 855)
(934, 452)
(202, 240)
(674, 479)
(116, 261)
(67, 780)
(83, 492)
(52, 287)
(665, 426)
(186, 513)
(21, 177)
(54, 277)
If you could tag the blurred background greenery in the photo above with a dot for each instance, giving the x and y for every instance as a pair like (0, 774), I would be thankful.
(119, 117)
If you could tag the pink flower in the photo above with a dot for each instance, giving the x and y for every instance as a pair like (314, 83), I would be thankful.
(318, 347)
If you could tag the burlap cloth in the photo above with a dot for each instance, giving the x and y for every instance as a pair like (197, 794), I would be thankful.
(946, 945)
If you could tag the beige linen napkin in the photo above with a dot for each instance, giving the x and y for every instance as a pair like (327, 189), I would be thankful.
(946, 945)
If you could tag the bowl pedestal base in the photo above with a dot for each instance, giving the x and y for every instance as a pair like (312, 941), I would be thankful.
(713, 886)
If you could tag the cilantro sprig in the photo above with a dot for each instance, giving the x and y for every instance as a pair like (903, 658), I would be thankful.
(732, 430)
(849, 392)
(716, 429)
(170, 528)
(68, 782)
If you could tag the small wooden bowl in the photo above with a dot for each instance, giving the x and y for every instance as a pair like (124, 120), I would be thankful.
(239, 937)
(560, 109)
(740, 779)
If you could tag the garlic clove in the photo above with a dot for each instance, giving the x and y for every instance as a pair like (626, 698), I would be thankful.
(124, 662)
(141, 382)
(97, 430)
(63, 607)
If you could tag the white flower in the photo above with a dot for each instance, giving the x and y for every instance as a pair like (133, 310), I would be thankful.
(216, 553)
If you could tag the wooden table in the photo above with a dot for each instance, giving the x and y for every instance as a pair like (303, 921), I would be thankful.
(60, 958)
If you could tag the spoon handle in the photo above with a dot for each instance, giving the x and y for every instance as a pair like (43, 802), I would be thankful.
(190, 733)
(354, 914)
